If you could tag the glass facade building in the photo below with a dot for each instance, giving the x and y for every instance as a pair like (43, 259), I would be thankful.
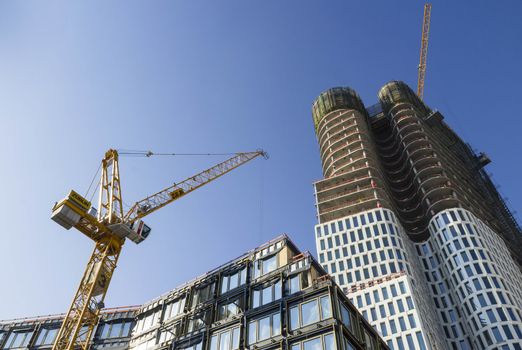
(273, 297)
(412, 228)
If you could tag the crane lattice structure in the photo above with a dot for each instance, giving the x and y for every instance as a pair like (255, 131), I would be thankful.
(109, 227)
(424, 50)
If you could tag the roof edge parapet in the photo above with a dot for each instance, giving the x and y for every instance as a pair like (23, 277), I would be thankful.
(333, 99)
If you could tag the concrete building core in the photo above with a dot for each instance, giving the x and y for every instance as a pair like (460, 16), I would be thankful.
(411, 226)
(272, 297)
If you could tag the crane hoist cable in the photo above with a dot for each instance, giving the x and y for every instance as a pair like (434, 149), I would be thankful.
(92, 182)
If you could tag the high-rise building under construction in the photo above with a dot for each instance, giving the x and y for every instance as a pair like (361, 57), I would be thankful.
(411, 226)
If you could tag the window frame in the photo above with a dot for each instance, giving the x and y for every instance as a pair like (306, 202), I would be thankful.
(271, 316)
(230, 331)
(322, 337)
(320, 313)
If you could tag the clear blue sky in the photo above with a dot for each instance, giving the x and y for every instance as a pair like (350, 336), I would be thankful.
(216, 76)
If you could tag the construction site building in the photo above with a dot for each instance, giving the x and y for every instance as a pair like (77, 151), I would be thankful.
(272, 297)
(411, 226)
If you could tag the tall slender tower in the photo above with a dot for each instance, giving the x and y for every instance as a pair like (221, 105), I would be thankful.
(411, 226)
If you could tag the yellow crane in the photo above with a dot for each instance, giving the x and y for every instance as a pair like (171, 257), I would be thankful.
(109, 227)
(424, 50)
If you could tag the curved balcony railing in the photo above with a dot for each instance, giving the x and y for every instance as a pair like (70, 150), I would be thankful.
(340, 168)
(405, 155)
(347, 177)
(348, 147)
(341, 183)
(403, 106)
(424, 192)
(434, 181)
(350, 114)
(331, 164)
(443, 204)
(405, 146)
(353, 207)
(408, 167)
(414, 131)
(349, 182)
(353, 136)
(417, 174)
(333, 137)
(392, 135)
(347, 193)
(425, 174)
(329, 124)
(343, 125)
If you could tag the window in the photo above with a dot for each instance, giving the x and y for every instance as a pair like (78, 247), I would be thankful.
(384, 291)
(369, 340)
(233, 281)
(326, 310)
(373, 312)
(498, 336)
(409, 340)
(197, 346)
(400, 305)
(402, 324)
(225, 340)
(384, 331)
(409, 301)
(127, 326)
(393, 290)
(171, 332)
(402, 287)
(323, 342)
(346, 317)
(229, 309)
(359, 301)
(382, 311)
(400, 344)
(18, 339)
(115, 329)
(198, 321)
(393, 328)
(174, 308)
(264, 328)
(46, 336)
(420, 340)
(391, 308)
(267, 294)
(262, 267)
(203, 294)
(148, 320)
(411, 319)
(309, 312)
